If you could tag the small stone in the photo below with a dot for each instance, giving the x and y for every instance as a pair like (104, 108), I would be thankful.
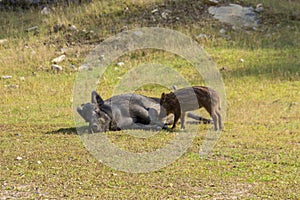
(83, 67)
(212, 2)
(242, 60)
(56, 67)
(12, 86)
(34, 28)
(58, 59)
(72, 27)
(39, 162)
(45, 11)
(6, 77)
(19, 158)
(73, 67)
(102, 57)
(259, 8)
(2, 41)
(200, 36)
(120, 64)
(222, 31)
(164, 15)
(154, 11)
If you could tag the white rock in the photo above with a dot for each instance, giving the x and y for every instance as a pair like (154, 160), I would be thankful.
(120, 64)
(202, 36)
(72, 27)
(222, 31)
(83, 67)
(19, 158)
(6, 77)
(164, 15)
(58, 59)
(56, 67)
(259, 8)
(39, 162)
(242, 60)
(154, 11)
(2, 41)
(45, 11)
(102, 57)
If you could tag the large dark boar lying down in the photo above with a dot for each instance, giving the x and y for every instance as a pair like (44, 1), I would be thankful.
(192, 98)
(125, 111)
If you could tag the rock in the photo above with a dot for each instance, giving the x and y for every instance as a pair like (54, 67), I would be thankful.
(242, 60)
(222, 31)
(58, 59)
(259, 8)
(235, 15)
(12, 86)
(2, 41)
(19, 158)
(212, 2)
(73, 67)
(154, 11)
(39, 162)
(72, 28)
(45, 11)
(6, 77)
(165, 14)
(34, 28)
(56, 67)
(83, 67)
(120, 64)
(200, 36)
(102, 57)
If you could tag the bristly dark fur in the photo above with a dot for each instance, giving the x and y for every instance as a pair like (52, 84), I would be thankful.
(192, 98)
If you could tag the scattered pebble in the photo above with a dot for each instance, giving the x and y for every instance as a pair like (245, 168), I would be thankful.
(154, 11)
(56, 67)
(6, 77)
(34, 28)
(58, 59)
(200, 36)
(12, 86)
(45, 11)
(83, 67)
(222, 31)
(19, 158)
(2, 41)
(120, 64)
(165, 14)
(73, 67)
(72, 27)
(259, 8)
(102, 57)
(212, 2)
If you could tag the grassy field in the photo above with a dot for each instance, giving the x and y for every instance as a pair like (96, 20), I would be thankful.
(256, 157)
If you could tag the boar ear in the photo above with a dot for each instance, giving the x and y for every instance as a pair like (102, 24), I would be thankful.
(80, 112)
(97, 99)
(162, 98)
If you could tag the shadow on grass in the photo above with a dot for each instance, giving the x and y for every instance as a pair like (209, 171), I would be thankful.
(69, 131)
